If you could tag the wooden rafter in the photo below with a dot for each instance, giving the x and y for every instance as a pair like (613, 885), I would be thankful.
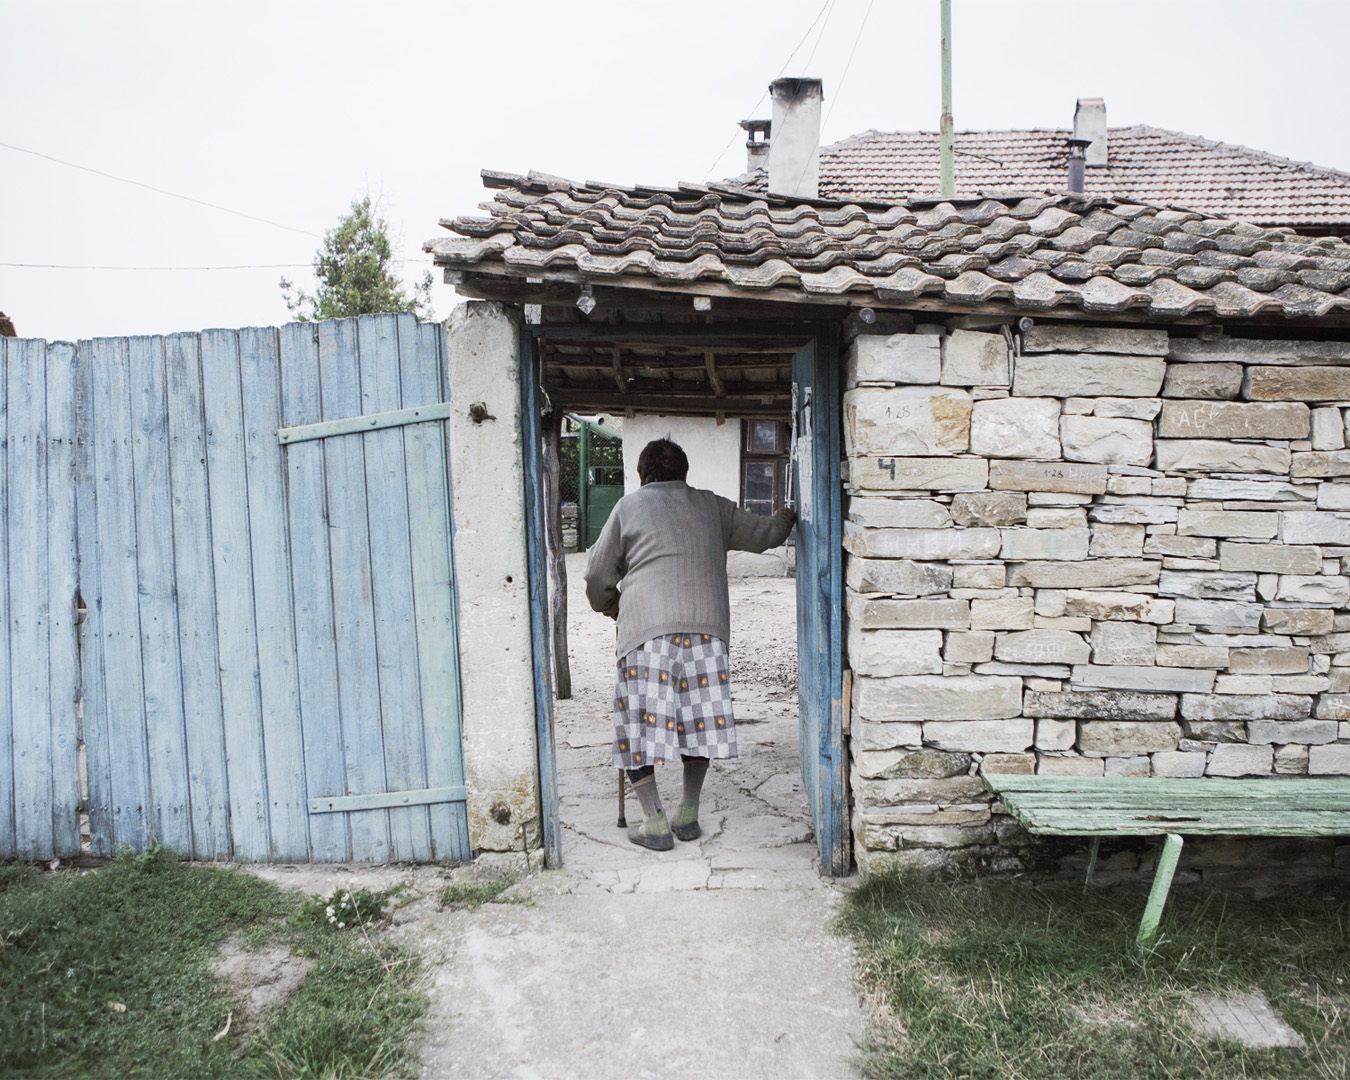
(619, 380)
(714, 379)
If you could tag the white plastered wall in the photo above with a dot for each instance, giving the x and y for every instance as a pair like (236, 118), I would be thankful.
(714, 450)
(495, 642)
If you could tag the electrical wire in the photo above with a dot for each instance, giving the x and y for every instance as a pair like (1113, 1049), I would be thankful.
(848, 64)
(242, 266)
(159, 190)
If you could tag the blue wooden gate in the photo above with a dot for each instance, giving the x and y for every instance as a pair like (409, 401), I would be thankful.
(261, 537)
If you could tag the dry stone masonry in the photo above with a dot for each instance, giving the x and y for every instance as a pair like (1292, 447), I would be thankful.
(1088, 551)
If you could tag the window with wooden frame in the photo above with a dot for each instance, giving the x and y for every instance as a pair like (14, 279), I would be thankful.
(764, 460)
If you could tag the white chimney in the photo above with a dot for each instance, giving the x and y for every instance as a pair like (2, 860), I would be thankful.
(1089, 123)
(756, 143)
(794, 149)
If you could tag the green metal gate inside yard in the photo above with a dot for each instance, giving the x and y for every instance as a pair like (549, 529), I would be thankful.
(227, 580)
(600, 466)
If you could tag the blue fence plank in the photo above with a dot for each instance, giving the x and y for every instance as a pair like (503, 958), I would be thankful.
(283, 747)
(62, 583)
(6, 714)
(203, 721)
(228, 492)
(165, 740)
(353, 610)
(123, 688)
(421, 349)
(312, 591)
(391, 586)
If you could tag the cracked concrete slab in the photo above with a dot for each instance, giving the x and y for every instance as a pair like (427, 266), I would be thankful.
(1248, 1018)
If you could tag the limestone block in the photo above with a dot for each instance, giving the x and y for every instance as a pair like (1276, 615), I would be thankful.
(1333, 707)
(1333, 496)
(1308, 732)
(1118, 606)
(894, 358)
(973, 647)
(899, 513)
(980, 736)
(1278, 661)
(1133, 514)
(1116, 541)
(1068, 765)
(1184, 419)
(1297, 383)
(937, 697)
(911, 764)
(1321, 463)
(1129, 643)
(1121, 677)
(1209, 382)
(1270, 558)
(1193, 656)
(991, 575)
(1314, 527)
(1244, 684)
(1333, 760)
(1331, 590)
(1106, 440)
(1053, 672)
(873, 614)
(1178, 763)
(1238, 759)
(918, 474)
(1027, 544)
(1127, 736)
(894, 652)
(906, 420)
(1291, 760)
(1087, 375)
(942, 793)
(989, 508)
(1254, 490)
(1099, 705)
(1057, 517)
(1169, 486)
(1300, 684)
(1247, 351)
(1093, 574)
(1188, 547)
(1241, 707)
(1011, 613)
(971, 358)
(1328, 429)
(897, 734)
(1215, 730)
(1041, 647)
(1072, 339)
(921, 543)
(1016, 428)
(1127, 408)
(903, 577)
(1056, 734)
(1207, 585)
(1214, 455)
(1135, 765)
(1047, 476)
(1219, 613)
(1020, 764)
(1246, 523)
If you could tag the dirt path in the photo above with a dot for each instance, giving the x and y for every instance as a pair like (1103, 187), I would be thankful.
(712, 960)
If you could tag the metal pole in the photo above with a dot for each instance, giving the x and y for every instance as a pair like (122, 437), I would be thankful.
(583, 484)
(947, 137)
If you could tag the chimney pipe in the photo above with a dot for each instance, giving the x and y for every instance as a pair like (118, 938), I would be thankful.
(756, 149)
(1076, 164)
(794, 153)
(1089, 124)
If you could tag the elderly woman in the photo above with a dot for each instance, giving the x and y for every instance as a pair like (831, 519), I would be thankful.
(660, 569)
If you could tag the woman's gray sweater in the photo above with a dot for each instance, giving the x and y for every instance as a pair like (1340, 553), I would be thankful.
(667, 544)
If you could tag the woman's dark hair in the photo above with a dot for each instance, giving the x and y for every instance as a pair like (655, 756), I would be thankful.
(661, 460)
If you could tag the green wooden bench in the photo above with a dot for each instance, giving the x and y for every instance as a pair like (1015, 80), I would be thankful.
(1098, 806)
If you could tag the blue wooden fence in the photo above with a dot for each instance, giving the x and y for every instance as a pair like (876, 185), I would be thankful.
(268, 667)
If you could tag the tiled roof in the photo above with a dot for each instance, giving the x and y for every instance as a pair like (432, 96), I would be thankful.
(1032, 252)
(1146, 164)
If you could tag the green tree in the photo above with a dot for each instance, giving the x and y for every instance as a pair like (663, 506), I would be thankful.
(353, 271)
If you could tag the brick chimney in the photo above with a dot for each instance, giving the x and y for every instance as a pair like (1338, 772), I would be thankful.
(794, 151)
(1089, 124)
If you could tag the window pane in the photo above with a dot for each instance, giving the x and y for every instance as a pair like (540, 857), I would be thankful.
(758, 481)
(763, 436)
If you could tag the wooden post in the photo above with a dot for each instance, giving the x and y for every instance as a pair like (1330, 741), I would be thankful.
(1162, 884)
(557, 558)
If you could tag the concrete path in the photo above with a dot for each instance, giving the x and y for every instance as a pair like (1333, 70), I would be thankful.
(716, 959)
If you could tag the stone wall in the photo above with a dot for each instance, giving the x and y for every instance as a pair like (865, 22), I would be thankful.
(1086, 551)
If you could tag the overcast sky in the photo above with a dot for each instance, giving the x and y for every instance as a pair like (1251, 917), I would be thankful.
(287, 111)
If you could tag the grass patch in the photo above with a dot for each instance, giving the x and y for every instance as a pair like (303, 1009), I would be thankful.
(141, 933)
(472, 894)
(1013, 981)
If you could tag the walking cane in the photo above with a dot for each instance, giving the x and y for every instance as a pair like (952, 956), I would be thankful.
(623, 821)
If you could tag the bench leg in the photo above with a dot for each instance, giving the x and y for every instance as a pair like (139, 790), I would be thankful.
(1162, 884)
(1092, 864)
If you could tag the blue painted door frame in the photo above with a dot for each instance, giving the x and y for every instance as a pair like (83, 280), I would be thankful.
(818, 492)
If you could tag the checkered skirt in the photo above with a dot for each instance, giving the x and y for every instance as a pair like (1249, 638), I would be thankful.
(672, 697)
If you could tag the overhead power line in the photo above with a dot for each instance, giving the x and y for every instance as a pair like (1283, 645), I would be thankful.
(241, 266)
(159, 190)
